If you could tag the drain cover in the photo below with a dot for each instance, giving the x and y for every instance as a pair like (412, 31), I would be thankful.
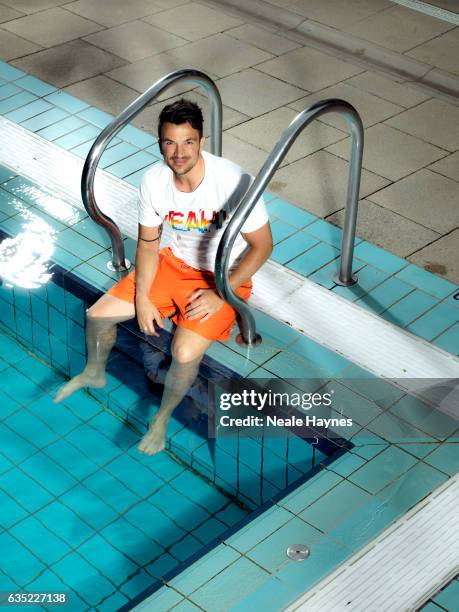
(298, 552)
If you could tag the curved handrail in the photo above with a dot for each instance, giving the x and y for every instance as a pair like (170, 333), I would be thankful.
(288, 137)
(110, 131)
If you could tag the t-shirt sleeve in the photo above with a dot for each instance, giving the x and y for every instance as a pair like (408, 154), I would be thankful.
(257, 218)
(148, 216)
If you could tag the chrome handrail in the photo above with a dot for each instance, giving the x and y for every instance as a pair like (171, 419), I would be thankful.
(118, 262)
(288, 137)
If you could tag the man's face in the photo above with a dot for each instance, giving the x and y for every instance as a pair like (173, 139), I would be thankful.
(181, 147)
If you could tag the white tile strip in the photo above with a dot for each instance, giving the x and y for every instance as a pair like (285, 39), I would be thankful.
(360, 336)
(431, 10)
(401, 568)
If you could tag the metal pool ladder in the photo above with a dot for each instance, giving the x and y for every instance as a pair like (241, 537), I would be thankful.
(120, 264)
(290, 134)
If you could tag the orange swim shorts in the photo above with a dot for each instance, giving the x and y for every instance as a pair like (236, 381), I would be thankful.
(175, 281)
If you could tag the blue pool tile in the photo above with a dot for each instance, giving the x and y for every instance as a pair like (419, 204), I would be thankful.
(59, 129)
(6, 174)
(89, 507)
(299, 499)
(44, 470)
(334, 506)
(114, 602)
(281, 230)
(448, 596)
(112, 491)
(131, 164)
(10, 73)
(244, 573)
(428, 282)
(65, 523)
(7, 91)
(409, 308)
(445, 458)
(188, 546)
(36, 86)
(71, 240)
(135, 178)
(186, 605)
(161, 566)
(25, 490)
(271, 596)
(326, 554)
(65, 259)
(434, 322)
(117, 153)
(39, 309)
(57, 417)
(43, 543)
(77, 137)
(199, 491)
(48, 582)
(449, 340)
(270, 553)
(145, 482)
(164, 599)
(11, 351)
(108, 560)
(140, 581)
(70, 458)
(431, 420)
(209, 530)
(29, 110)
(15, 447)
(44, 120)
(11, 512)
(31, 428)
(98, 279)
(5, 464)
(93, 444)
(379, 258)
(290, 214)
(114, 430)
(57, 324)
(21, 99)
(346, 465)
(320, 255)
(132, 542)
(257, 531)
(327, 232)
(382, 470)
(18, 386)
(155, 523)
(286, 361)
(386, 294)
(293, 246)
(59, 354)
(137, 137)
(95, 116)
(22, 565)
(82, 405)
(83, 578)
(368, 521)
(92, 231)
(66, 101)
(411, 487)
(181, 510)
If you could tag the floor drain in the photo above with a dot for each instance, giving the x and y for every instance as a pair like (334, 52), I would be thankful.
(298, 552)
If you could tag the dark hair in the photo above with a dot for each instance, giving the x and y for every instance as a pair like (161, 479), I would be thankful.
(181, 111)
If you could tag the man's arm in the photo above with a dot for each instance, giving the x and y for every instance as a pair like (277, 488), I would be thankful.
(260, 248)
(203, 303)
(146, 266)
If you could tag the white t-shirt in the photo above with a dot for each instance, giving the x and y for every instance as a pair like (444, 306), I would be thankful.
(198, 219)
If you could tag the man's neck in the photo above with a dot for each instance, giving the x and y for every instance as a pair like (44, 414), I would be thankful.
(191, 180)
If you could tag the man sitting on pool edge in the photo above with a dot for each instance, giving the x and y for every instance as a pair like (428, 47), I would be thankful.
(195, 193)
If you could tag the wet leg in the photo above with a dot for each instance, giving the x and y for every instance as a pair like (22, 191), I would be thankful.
(101, 322)
(187, 351)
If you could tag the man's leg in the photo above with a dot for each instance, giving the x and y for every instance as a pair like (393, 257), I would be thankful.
(188, 348)
(101, 322)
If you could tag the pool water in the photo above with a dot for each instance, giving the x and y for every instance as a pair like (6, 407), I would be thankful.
(83, 511)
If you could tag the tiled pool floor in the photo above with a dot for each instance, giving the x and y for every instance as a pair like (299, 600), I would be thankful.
(82, 511)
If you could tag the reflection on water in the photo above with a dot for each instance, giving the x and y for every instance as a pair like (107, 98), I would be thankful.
(57, 208)
(24, 259)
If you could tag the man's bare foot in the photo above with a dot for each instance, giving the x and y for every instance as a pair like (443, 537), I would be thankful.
(78, 382)
(154, 441)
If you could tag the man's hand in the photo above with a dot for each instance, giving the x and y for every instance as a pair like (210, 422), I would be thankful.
(147, 313)
(202, 304)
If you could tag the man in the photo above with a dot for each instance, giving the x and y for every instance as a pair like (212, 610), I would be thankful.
(195, 193)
